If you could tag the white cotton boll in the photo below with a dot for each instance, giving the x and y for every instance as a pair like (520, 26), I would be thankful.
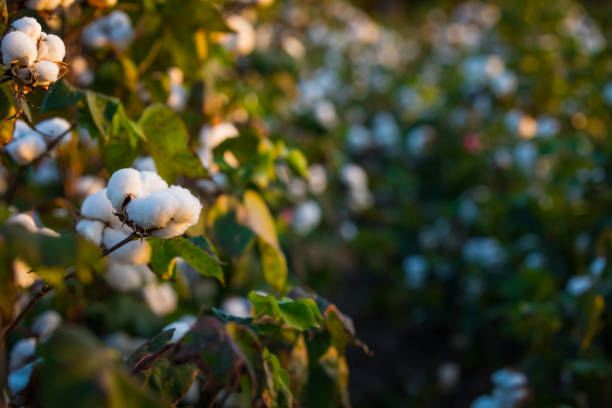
(189, 208)
(123, 183)
(21, 129)
(52, 49)
(45, 324)
(94, 37)
(48, 232)
(161, 298)
(135, 252)
(243, 41)
(23, 219)
(52, 128)
(171, 230)
(46, 72)
(144, 164)
(27, 148)
(118, 28)
(307, 217)
(28, 26)
(123, 277)
(180, 329)
(22, 273)
(22, 351)
(213, 136)
(97, 206)
(579, 284)
(317, 178)
(87, 185)
(237, 306)
(151, 182)
(18, 47)
(91, 230)
(354, 176)
(152, 211)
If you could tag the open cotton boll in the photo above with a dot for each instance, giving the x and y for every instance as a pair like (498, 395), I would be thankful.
(98, 207)
(180, 329)
(87, 185)
(122, 184)
(18, 47)
(151, 182)
(171, 230)
(23, 219)
(21, 129)
(47, 72)
(53, 128)
(189, 207)
(135, 252)
(119, 28)
(152, 211)
(123, 277)
(161, 298)
(28, 26)
(91, 230)
(22, 351)
(46, 323)
(93, 36)
(51, 48)
(26, 148)
(242, 42)
(19, 379)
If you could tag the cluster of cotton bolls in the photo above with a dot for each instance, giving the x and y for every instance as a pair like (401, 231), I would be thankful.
(22, 359)
(32, 57)
(510, 390)
(113, 30)
(26, 221)
(29, 144)
(140, 202)
(356, 180)
(484, 251)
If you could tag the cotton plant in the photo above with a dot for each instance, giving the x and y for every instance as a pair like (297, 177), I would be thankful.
(30, 144)
(31, 57)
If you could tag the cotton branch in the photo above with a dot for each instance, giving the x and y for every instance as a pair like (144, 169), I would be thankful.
(46, 288)
(119, 244)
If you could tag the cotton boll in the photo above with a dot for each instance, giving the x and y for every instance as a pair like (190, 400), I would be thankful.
(22, 351)
(94, 37)
(85, 186)
(46, 72)
(307, 217)
(22, 273)
(19, 379)
(161, 298)
(213, 136)
(123, 183)
(171, 230)
(123, 277)
(28, 26)
(23, 219)
(52, 49)
(48, 232)
(189, 208)
(237, 306)
(45, 324)
(27, 148)
(151, 182)
(119, 28)
(180, 329)
(135, 252)
(21, 129)
(53, 128)
(18, 47)
(243, 41)
(91, 230)
(152, 211)
(97, 206)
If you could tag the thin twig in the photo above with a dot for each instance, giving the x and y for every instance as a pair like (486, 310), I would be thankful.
(119, 244)
(46, 288)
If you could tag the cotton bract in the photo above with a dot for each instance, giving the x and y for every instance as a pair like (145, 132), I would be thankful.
(32, 56)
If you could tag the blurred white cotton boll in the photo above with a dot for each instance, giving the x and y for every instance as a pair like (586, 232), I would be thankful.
(418, 139)
(180, 329)
(448, 375)
(115, 29)
(348, 230)
(91, 230)
(325, 112)
(51, 48)
(607, 93)
(144, 164)
(358, 138)
(598, 266)
(28, 26)
(354, 176)
(23, 219)
(211, 137)
(20, 378)
(21, 352)
(415, 271)
(317, 178)
(124, 277)
(504, 84)
(135, 252)
(580, 284)
(307, 217)
(484, 251)
(27, 148)
(85, 186)
(161, 298)
(46, 323)
(80, 70)
(237, 306)
(385, 130)
(485, 401)
(18, 47)
(525, 155)
(123, 183)
(53, 128)
(242, 41)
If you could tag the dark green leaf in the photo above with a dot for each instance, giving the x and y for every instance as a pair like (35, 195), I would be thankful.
(61, 95)
(102, 109)
(300, 314)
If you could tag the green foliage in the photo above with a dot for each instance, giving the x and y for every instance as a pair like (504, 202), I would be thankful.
(302, 314)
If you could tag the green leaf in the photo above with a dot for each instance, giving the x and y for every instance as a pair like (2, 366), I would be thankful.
(233, 237)
(170, 380)
(274, 265)
(102, 109)
(300, 314)
(61, 95)
(154, 345)
(120, 147)
(225, 318)
(278, 383)
(7, 109)
(196, 252)
(297, 161)
(168, 144)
